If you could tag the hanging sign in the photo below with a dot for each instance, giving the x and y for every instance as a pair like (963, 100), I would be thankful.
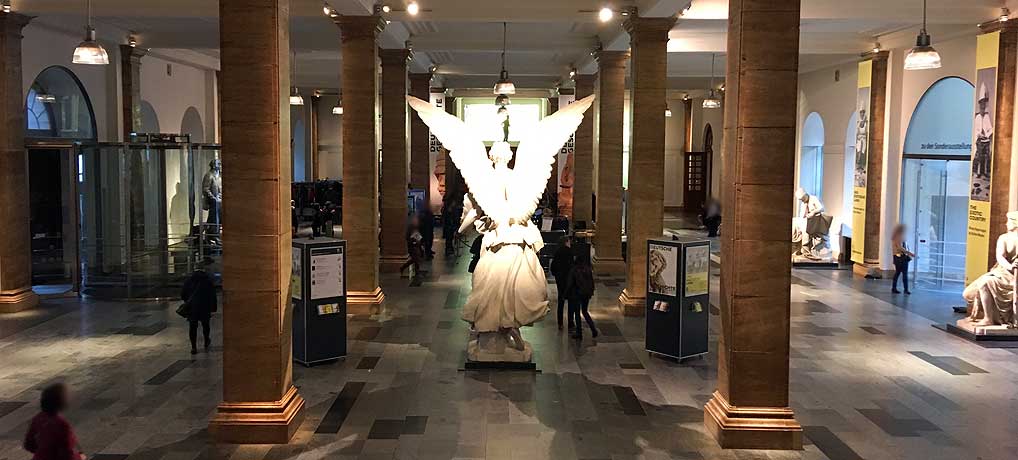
(977, 243)
(861, 161)
(436, 160)
(565, 166)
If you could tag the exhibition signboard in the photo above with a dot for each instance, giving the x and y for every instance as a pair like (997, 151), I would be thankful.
(977, 244)
(861, 161)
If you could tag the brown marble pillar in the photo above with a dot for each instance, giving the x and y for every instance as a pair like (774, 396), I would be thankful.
(875, 162)
(358, 78)
(420, 156)
(687, 123)
(130, 85)
(316, 103)
(394, 157)
(645, 216)
(1003, 130)
(260, 404)
(15, 251)
(453, 178)
(583, 156)
(130, 81)
(750, 409)
(611, 99)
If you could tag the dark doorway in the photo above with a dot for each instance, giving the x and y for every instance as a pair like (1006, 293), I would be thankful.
(52, 219)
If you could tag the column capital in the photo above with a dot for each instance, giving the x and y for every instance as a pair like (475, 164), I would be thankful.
(352, 27)
(996, 25)
(13, 22)
(584, 85)
(607, 58)
(648, 28)
(397, 56)
(418, 77)
(132, 53)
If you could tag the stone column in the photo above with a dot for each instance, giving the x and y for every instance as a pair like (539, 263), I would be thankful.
(358, 78)
(583, 156)
(453, 178)
(687, 123)
(420, 157)
(316, 103)
(1003, 130)
(130, 85)
(260, 404)
(15, 251)
(130, 81)
(875, 162)
(749, 409)
(394, 156)
(611, 99)
(645, 219)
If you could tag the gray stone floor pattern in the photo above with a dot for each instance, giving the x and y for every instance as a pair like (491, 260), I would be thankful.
(869, 379)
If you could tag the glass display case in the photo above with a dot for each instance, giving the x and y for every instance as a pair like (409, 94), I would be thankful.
(148, 215)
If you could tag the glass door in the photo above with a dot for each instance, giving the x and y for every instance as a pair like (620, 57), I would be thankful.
(934, 207)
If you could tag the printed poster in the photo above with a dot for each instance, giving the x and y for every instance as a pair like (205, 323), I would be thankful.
(977, 244)
(565, 166)
(436, 160)
(295, 274)
(861, 161)
(662, 266)
(326, 273)
(697, 270)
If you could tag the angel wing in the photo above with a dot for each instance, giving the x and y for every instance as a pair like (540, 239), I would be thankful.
(466, 150)
(536, 155)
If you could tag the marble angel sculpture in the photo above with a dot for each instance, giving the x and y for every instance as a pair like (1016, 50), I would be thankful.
(509, 288)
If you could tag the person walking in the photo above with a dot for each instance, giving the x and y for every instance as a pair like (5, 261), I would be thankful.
(580, 288)
(561, 265)
(50, 436)
(199, 294)
(415, 247)
(902, 256)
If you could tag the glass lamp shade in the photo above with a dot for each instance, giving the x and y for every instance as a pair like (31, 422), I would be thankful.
(504, 85)
(502, 99)
(90, 51)
(337, 110)
(295, 98)
(923, 56)
(712, 101)
(668, 112)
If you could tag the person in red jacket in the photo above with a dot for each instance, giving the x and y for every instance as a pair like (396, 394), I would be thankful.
(50, 436)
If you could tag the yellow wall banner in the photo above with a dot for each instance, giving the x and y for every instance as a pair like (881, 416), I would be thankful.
(977, 244)
(861, 161)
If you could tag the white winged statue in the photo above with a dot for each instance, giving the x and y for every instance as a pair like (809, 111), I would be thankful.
(509, 287)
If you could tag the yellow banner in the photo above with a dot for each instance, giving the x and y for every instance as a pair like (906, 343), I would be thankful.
(861, 161)
(977, 241)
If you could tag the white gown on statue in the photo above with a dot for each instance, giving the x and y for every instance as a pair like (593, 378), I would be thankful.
(509, 287)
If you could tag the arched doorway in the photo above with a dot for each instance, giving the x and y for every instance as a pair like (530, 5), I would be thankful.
(811, 156)
(935, 183)
(191, 125)
(58, 113)
(149, 118)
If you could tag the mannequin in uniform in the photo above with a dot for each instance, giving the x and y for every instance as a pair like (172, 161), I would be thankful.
(212, 195)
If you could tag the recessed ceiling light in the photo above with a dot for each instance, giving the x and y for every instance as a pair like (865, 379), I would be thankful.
(413, 8)
(386, 8)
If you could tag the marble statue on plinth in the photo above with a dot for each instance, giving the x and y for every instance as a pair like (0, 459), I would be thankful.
(509, 288)
(810, 241)
(990, 298)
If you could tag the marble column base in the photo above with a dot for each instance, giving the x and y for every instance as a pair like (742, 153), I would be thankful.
(631, 305)
(13, 302)
(609, 264)
(364, 302)
(258, 422)
(391, 264)
(751, 427)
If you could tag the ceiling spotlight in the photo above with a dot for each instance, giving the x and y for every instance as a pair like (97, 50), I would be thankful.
(6, 6)
(433, 69)
(572, 73)
(386, 8)
(90, 51)
(326, 9)
(876, 47)
(413, 8)
(685, 97)
(605, 14)
(923, 56)
(132, 42)
(1005, 14)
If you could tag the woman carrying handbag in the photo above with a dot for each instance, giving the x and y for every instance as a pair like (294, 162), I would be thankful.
(902, 256)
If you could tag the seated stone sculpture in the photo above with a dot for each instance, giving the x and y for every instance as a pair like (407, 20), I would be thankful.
(810, 229)
(990, 298)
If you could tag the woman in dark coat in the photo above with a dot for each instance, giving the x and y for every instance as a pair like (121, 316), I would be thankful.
(580, 288)
(199, 293)
(561, 265)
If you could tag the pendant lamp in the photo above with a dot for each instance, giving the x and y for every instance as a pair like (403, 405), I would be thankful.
(90, 51)
(923, 56)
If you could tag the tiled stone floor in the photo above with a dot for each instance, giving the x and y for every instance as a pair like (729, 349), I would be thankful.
(869, 380)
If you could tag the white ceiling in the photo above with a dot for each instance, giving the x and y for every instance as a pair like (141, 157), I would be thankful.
(546, 38)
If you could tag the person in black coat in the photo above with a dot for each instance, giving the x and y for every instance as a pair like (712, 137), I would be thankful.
(199, 293)
(426, 224)
(561, 265)
(579, 289)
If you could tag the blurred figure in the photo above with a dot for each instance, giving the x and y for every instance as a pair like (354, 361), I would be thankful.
(199, 293)
(561, 265)
(580, 288)
(414, 247)
(711, 216)
(902, 256)
(50, 436)
(426, 227)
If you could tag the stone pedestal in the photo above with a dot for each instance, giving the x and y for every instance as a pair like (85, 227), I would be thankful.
(583, 156)
(420, 156)
(494, 347)
(750, 409)
(992, 332)
(260, 404)
(394, 159)
(360, 159)
(645, 218)
(610, 101)
(15, 251)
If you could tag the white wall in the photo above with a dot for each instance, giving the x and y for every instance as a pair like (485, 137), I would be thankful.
(330, 140)
(172, 88)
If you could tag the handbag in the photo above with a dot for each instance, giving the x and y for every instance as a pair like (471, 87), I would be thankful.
(184, 310)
